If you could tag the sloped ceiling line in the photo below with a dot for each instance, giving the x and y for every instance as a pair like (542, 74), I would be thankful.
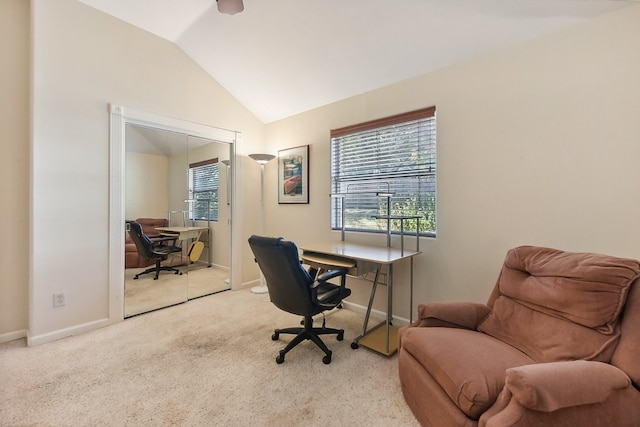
(282, 57)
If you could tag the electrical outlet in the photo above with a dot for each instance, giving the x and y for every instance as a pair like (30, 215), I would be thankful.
(59, 299)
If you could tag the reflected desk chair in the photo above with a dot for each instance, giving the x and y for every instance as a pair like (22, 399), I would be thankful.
(147, 248)
(292, 289)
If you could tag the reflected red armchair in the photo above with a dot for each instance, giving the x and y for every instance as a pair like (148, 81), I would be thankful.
(131, 257)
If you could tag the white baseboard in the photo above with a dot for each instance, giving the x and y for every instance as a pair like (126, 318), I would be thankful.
(375, 314)
(249, 284)
(67, 332)
(16, 335)
(217, 266)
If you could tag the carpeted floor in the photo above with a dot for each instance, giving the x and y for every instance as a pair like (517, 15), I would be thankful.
(209, 362)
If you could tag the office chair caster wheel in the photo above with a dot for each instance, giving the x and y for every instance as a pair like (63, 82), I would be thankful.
(355, 345)
(340, 336)
(275, 337)
(327, 359)
(280, 359)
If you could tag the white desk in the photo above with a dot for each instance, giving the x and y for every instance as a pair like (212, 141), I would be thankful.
(187, 233)
(360, 260)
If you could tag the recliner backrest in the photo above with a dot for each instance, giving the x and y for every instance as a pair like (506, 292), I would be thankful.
(555, 305)
(288, 282)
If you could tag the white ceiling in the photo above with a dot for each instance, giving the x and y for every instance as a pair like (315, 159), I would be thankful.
(283, 57)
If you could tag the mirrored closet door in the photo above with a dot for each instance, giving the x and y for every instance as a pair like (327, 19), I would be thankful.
(177, 188)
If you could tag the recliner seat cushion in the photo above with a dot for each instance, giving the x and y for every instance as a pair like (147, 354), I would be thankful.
(469, 366)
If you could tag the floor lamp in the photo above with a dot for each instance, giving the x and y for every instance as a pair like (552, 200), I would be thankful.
(261, 159)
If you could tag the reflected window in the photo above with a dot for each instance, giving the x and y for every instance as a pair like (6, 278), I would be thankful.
(203, 190)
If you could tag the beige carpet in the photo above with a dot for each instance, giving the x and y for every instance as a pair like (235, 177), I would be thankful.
(209, 362)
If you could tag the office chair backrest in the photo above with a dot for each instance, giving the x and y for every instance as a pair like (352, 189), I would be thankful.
(288, 282)
(142, 242)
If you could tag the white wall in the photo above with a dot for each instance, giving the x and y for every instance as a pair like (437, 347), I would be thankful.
(147, 179)
(84, 60)
(537, 144)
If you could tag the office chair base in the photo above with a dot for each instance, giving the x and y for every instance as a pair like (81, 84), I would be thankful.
(308, 332)
(157, 271)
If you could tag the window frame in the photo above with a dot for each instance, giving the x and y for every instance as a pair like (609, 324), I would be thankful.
(424, 201)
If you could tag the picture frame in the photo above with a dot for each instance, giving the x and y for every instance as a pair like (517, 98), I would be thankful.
(293, 175)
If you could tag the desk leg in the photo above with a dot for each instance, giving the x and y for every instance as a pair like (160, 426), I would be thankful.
(389, 302)
(378, 338)
(370, 306)
(209, 248)
(411, 295)
(354, 344)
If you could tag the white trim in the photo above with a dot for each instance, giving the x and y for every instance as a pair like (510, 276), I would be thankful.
(375, 314)
(120, 117)
(66, 332)
(143, 118)
(116, 214)
(15, 335)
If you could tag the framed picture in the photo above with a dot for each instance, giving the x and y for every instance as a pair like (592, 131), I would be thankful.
(293, 175)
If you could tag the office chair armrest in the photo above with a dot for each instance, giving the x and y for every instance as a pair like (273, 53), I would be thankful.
(328, 295)
(159, 240)
(329, 275)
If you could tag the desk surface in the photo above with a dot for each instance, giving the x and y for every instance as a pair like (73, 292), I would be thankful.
(180, 229)
(380, 339)
(379, 254)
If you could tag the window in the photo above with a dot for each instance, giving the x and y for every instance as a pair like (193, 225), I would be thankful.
(386, 161)
(203, 190)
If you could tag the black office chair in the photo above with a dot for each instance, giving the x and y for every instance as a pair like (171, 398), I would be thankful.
(292, 289)
(147, 248)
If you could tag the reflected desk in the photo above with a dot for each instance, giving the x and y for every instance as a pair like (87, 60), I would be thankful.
(361, 261)
(188, 233)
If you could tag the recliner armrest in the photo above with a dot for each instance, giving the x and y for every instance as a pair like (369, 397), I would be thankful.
(551, 386)
(465, 315)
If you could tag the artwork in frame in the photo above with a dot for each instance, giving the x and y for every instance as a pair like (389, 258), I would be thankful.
(293, 175)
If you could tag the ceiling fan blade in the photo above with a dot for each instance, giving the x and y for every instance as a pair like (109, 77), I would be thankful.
(230, 7)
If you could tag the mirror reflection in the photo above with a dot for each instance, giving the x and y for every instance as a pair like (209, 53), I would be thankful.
(177, 190)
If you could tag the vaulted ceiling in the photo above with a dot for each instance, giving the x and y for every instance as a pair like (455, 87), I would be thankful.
(283, 57)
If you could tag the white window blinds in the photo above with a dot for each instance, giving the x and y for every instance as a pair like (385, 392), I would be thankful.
(396, 156)
(203, 190)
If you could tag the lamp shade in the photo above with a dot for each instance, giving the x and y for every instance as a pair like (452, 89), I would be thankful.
(230, 7)
(262, 159)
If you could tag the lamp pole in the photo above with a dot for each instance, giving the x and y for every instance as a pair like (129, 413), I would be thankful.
(261, 159)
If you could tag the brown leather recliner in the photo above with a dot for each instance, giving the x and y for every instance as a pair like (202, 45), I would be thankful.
(557, 344)
(131, 257)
